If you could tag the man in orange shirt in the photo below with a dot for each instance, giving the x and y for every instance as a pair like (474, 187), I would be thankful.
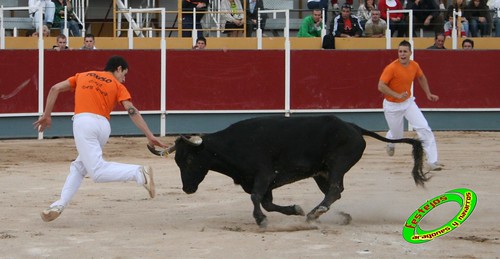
(96, 94)
(395, 83)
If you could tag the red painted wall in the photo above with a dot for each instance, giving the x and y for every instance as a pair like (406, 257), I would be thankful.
(251, 80)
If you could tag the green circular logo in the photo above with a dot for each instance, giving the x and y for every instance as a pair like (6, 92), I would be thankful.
(412, 232)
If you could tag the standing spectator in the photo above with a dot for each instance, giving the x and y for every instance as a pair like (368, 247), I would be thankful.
(346, 24)
(96, 94)
(479, 18)
(187, 16)
(88, 42)
(439, 39)
(48, 10)
(320, 5)
(232, 17)
(61, 42)
(495, 7)
(397, 22)
(395, 83)
(468, 44)
(73, 25)
(375, 27)
(201, 43)
(364, 11)
(253, 7)
(426, 14)
(311, 25)
(457, 5)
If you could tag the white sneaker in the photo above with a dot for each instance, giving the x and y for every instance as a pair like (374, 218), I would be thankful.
(390, 150)
(435, 166)
(149, 183)
(51, 213)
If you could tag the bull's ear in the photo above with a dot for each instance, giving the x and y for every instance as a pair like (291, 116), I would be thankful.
(193, 140)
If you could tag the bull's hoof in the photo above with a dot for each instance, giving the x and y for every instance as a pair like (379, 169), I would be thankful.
(263, 223)
(299, 210)
(314, 214)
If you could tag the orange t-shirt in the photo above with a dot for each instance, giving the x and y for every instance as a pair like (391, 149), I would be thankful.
(399, 78)
(97, 92)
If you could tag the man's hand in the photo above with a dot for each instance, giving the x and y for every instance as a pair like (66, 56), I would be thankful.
(42, 123)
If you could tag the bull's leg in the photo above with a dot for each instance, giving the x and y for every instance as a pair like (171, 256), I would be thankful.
(267, 204)
(260, 187)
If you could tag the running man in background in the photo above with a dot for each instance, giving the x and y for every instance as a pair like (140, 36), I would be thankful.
(395, 83)
(96, 94)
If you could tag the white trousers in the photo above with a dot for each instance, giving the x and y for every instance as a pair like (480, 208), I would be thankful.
(395, 113)
(91, 132)
(49, 11)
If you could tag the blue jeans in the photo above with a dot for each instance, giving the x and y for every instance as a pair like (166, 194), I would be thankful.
(496, 22)
(475, 27)
(73, 28)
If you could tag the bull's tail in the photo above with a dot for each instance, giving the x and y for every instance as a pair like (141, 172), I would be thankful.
(418, 153)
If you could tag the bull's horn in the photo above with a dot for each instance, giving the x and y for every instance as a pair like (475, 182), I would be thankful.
(161, 153)
(194, 140)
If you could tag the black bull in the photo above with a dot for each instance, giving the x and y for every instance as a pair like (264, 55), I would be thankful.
(264, 153)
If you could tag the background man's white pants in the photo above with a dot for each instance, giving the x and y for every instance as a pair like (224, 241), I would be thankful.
(49, 10)
(395, 113)
(91, 132)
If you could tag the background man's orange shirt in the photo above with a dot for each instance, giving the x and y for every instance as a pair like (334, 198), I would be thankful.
(97, 92)
(399, 78)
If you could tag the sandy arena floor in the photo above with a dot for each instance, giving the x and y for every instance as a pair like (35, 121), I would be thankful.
(117, 220)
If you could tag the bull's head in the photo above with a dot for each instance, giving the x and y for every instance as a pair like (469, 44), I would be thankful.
(191, 160)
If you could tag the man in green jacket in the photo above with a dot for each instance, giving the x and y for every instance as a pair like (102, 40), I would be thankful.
(311, 25)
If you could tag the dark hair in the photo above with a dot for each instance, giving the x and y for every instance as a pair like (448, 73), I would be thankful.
(89, 35)
(346, 6)
(405, 44)
(201, 38)
(438, 34)
(469, 41)
(114, 62)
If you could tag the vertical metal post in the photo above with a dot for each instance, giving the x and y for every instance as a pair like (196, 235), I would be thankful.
(163, 82)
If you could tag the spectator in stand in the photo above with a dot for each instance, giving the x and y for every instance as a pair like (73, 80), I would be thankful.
(346, 24)
(201, 43)
(478, 15)
(232, 17)
(468, 44)
(61, 42)
(88, 42)
(311, 25)
(426, 14)
(438, 41)
(46, 31)
(448, 27)
(73, 25)
(457, 5)
(375, 27)
(48, 10)
(320, 5)
(335, 3)
(32, 33)
(495, 7)
(253, 7)
(187, 16)
(398, 22)
(364, 11)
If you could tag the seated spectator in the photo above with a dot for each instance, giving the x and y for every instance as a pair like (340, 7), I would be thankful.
(398, 22)
(253, 7)
(88, 42)
(457, 5)
(311, 25)
(346, 24)
(495, 7)
(32, 33)
(364, 11)
(72, 23)
(232, 17)
(468, 44)
(61, 42)
(479, 18)
(48, 10)
(375, 27)
(320, 5)
(201, 43)
(426, 14)
(448, 28)
(438, 42)
(187, 16)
